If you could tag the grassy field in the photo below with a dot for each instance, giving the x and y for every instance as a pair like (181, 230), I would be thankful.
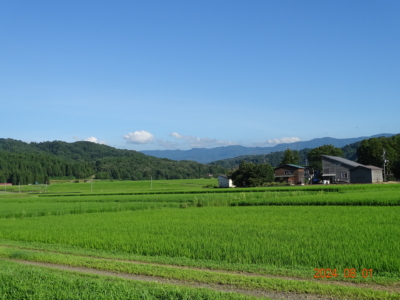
(110, 186)
(297, 238)
(277, 231)
(26, 282)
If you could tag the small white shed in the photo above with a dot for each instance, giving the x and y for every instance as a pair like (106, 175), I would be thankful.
(224, 182)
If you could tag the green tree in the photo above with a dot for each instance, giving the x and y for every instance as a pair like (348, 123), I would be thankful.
(251, 175)
(371, 151)
(315, 155)
(290, 157)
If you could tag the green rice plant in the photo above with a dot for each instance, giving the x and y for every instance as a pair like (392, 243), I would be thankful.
(293, 237)
(202, 276)
(27, 282)
(40, 209)
(370, 198)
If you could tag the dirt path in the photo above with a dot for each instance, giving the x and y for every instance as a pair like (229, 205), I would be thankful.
(216, 287)
(374, 286)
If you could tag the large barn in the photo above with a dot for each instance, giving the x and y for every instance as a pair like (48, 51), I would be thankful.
(340, 170)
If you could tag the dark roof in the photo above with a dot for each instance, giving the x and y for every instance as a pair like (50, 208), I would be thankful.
(290, 165)
(224, 176)
(351, 163)
(369, 167)
(343, 160)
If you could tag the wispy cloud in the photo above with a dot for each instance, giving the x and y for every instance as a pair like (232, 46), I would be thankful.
(197, 142)
(139, 137)
(89, 139)
(284, 140)
(95, 140)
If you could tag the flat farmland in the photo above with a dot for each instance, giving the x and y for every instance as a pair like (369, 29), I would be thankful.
(268, 243)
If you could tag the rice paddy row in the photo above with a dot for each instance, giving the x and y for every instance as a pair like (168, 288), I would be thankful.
(283, 231)
(27, 282)
(238, 281)
(37, 207)
(295, 238)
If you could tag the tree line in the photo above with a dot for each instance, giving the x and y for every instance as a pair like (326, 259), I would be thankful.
(27, 163)
(28, 168)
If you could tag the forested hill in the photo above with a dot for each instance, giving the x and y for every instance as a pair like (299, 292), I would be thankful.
(73, 151)
(25, 163)
(274, 158)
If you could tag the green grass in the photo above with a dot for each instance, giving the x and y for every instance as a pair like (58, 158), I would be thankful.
(26, 282)
(359, 198)
(301, 238)
(39, 209)
(132, 186)
(201, 276)
(271, 230)
(175, 186)
(34, 206)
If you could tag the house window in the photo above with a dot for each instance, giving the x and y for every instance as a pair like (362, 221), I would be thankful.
(337, 164)
(345, 175)
(288, 172)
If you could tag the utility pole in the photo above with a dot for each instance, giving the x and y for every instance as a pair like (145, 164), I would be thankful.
(385, 161)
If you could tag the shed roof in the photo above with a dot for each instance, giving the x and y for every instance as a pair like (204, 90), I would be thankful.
(343, 160)
(368, 167)
(291, 165)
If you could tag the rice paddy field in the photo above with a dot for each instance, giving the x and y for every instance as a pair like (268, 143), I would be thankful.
(193, 241)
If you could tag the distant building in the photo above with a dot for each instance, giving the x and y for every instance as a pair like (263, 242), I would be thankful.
(291, 174)
(209, 175)
(340, 170)
(224, 182)
(366, 174)
(3, 184)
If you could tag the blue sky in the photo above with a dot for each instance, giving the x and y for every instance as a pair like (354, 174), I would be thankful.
(181, 74)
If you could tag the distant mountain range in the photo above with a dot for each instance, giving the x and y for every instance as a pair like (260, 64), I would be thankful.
(203, 155)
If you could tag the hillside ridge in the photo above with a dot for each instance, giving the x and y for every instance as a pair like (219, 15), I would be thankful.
(204, 155)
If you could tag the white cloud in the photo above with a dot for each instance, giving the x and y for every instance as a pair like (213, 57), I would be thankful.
(139, 137)
(196, 142)
(94, 140)
(176, 135)
(284, 140)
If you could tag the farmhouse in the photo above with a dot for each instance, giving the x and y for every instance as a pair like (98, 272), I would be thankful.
(224, 182)
(291, 174)
(338, 169)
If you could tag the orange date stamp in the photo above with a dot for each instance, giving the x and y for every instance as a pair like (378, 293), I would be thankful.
(347, 273)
